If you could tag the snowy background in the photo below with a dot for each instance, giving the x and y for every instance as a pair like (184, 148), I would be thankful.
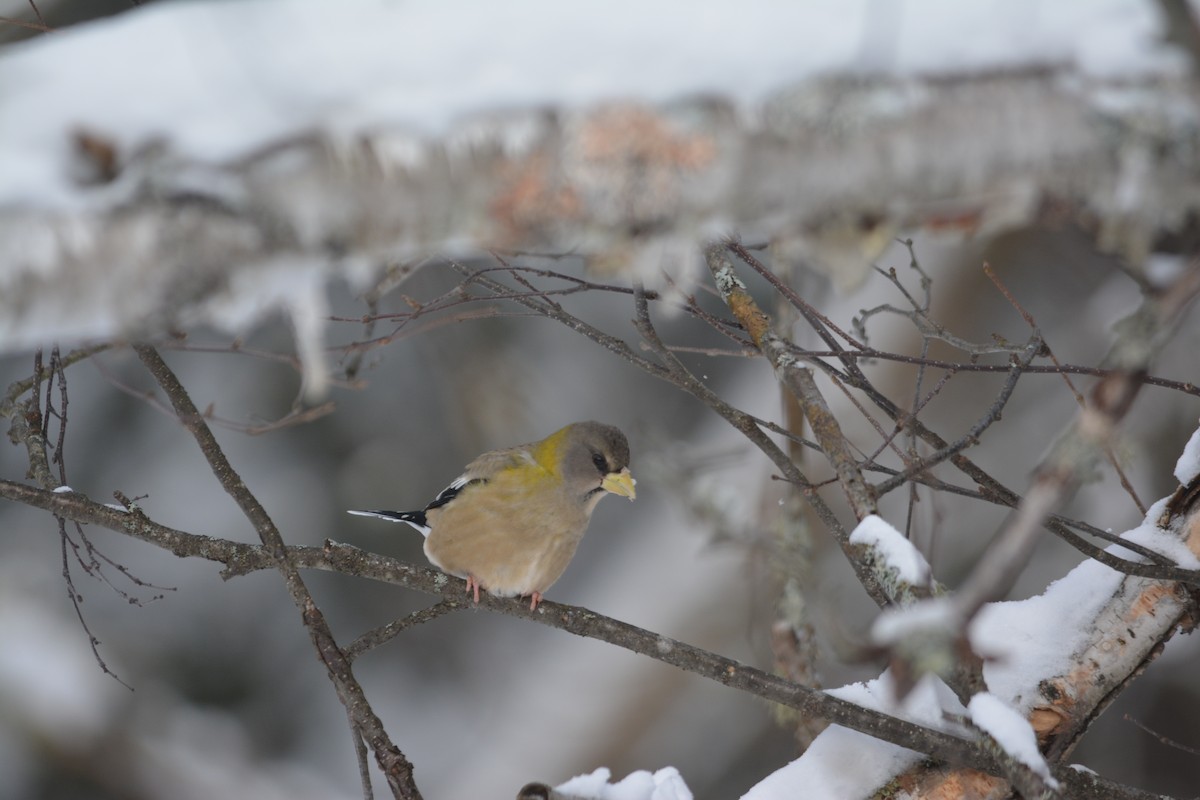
(227, 698)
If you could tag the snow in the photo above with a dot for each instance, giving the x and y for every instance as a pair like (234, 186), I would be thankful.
(1026, 641)
(841, 763)
(1188, 465)
(1023, 642)
(63, 490)
(1011, 731)
(1148, 534)
(290, 285)
(230, 78)
(897, 551)
(666, 784)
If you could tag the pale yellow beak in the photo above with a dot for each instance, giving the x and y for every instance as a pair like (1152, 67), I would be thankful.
(621, 483)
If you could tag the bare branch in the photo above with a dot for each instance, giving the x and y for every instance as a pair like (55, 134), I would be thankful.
(385, 633)
(396, 768)
(971, 437)
(1108, 451)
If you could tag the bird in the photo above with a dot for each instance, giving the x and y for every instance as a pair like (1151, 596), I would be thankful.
(510, 524)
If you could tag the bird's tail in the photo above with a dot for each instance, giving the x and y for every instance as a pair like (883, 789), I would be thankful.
(413, 518)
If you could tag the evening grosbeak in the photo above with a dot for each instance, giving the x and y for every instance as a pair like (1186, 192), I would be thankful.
(511, 522)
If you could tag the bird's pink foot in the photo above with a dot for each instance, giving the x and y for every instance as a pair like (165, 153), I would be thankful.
(473, 586)
(537, 598)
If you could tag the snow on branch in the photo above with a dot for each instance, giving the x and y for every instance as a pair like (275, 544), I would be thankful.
(274, 145)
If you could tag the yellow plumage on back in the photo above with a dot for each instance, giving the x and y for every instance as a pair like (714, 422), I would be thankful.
(548, 452)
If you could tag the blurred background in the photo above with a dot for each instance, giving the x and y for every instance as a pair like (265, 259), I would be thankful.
(224, 696)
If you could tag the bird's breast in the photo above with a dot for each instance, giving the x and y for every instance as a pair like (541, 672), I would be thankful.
(511, 546)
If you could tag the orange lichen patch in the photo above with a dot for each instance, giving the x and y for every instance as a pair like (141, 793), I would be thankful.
(1062, 693)
(747, 312)
(1046, 721)
(631, 133)
(98, 154)
(1148, 601)
(531, 198)
(969, 783)
(945, 783)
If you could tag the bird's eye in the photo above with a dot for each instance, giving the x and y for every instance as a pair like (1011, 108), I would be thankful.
(600, 462)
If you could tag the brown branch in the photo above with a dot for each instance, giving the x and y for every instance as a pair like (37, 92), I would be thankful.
(1165, 740)
(396, 768)
(819, 322)
(544, 308)
(33, 26)
(1156, 566)
(925, 325)
(385, 633)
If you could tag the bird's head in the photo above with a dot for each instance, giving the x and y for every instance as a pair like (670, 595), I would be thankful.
(595, 459)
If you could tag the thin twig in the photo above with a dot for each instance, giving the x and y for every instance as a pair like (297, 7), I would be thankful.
(33, 26)
(76, 603)
(1161, 738)
(871, 354)
(971, 437)
(384, 633)
(1108, 451)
